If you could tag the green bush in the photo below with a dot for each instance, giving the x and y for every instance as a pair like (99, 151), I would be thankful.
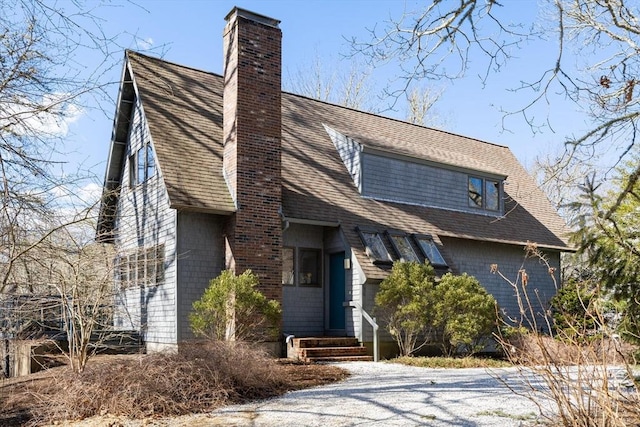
(405, 302)
(464, 313)
(574, 316)
(231, 308)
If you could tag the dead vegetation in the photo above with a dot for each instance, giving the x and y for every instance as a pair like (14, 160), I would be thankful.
(199, 378)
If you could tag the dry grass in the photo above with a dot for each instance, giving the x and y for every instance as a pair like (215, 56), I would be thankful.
(199, 378)
(591, 383)
(532, 349)
(452, 362)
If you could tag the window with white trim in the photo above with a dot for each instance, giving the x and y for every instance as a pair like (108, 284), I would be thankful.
(140, 267)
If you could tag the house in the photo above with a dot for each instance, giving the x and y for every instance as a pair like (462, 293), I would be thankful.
(207, 172)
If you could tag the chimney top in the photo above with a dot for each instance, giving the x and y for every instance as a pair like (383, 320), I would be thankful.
(237, 12)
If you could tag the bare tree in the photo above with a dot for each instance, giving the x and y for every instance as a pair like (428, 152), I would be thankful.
(55, 63)
(349, 86)
(596, 64)
(420, 102)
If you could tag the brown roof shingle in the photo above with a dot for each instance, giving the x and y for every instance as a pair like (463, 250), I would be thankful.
(183, 107)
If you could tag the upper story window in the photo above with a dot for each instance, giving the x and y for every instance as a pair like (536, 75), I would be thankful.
(141, 165)
(375, 246)
(484, 193)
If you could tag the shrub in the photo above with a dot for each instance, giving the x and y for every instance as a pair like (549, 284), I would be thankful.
(197, 378)
(464, 313)
(572, 310)
(405, 301)
(232, 308)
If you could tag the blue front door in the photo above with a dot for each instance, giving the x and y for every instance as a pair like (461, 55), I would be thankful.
(336, 292)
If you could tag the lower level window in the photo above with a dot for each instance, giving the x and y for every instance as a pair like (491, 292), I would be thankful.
(309, 271)
(301, 266)
(288, 266)
(140, 267)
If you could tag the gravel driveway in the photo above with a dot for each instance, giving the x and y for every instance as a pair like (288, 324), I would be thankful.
(384, 394)
(380, 394)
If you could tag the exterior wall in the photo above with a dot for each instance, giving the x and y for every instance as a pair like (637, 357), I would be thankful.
(303, 306)
(350, 153)
(356, 281)
(200, 258)
(144, 220)
(475, 258)
(385, 178)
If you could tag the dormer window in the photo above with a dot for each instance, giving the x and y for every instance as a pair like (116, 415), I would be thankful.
(484, 193)
(375, 247)
(430, 250)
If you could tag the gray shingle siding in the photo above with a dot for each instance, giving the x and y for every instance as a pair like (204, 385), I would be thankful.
(302, 306)
(350, 153)
(475, 258)
(144, 220)
(200, 259)
(390, 179)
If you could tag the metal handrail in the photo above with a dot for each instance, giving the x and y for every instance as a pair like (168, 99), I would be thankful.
(374, 325)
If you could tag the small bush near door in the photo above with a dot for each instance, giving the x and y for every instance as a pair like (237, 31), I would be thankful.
(231, 308)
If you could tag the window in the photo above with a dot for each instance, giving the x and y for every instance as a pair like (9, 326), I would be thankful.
(402, 245)
(484, 193)
(375, 247)
(492, 198)
(309, 267)
(430, 250)
(132, 170)
(143, 266)
(288, 266)
(475, 192)
(141, 165)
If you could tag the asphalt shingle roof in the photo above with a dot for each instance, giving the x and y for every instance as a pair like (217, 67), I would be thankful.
(183, 107)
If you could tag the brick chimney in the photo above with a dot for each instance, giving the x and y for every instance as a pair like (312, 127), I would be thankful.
(252, 147)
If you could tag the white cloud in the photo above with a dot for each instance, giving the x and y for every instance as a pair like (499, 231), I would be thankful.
(144, 44)
(49, 116)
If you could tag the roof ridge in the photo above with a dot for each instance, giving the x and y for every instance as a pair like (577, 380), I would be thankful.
(394, 119)
(153, 58)
(129, 52)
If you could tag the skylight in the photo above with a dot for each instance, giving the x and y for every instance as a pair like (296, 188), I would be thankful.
(402, 245)
(375, 246)
(430, 250)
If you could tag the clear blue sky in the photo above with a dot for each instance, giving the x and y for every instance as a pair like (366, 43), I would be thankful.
(192, 33)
